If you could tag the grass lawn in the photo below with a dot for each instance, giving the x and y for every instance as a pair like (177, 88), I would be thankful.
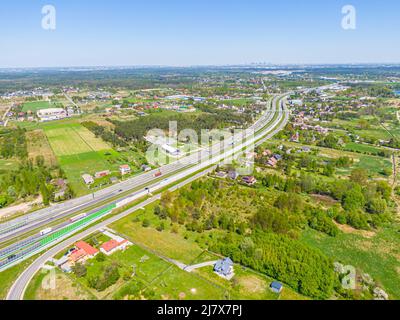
(247, 285)
(378, 255)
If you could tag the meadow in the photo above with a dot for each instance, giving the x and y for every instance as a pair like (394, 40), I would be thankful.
(78, 151)
(376, 253)
(73, 139)
(35, 106)
(363, 148)
(38, 145)
(180, 245)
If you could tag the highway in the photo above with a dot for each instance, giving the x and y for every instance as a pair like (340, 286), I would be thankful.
(268, 131)
(43, 217)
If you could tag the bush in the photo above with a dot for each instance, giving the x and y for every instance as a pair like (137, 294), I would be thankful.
(146, 223)
(101, 257)
(79, 270)
(110, 276)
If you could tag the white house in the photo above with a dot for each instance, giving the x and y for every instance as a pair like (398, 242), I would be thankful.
(88, 179)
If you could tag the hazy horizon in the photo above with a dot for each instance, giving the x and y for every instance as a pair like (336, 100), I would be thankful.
(178, 33)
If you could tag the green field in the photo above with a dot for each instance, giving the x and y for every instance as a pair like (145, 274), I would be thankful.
(35, 106)
(8, 164)
(73, 139)
(373, 164)
(78, 151)
(363, 148)
(377, 255)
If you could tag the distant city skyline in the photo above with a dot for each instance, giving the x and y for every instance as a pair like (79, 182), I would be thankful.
(197, 33)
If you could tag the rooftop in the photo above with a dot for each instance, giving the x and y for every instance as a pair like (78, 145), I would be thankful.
(87, 248)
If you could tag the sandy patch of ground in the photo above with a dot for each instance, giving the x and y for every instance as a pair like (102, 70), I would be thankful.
(20, 208)
(252, 284)
(348, 229)
(324, 199)
(65, 290)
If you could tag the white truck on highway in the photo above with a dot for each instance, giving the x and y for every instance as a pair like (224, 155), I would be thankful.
(46, 231)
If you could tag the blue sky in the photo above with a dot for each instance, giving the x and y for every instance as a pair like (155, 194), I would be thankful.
(197, 32)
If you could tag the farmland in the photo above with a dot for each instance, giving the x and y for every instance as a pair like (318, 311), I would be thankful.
(35, 106)
(38, 145)
(73, 139)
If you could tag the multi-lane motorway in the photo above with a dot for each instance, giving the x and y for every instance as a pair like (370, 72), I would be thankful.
(267, 126)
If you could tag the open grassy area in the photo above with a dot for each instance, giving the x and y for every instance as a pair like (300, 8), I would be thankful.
(138, 267)
(8, 164)
(181, 246)
(35, 106)
(78, 151)
(73, 139)
(169, 244)
(358, 147)
(377, 254)
(38, 145)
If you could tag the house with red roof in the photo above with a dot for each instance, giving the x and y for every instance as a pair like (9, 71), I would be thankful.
(109, 247)
(125, 169)
(83, 251)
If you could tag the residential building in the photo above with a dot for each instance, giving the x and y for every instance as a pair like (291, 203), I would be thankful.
(125, 169)
(224, 267)
(113, 245)
(88, 179)
(249, 180)
(51, 114)
(102, 174)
